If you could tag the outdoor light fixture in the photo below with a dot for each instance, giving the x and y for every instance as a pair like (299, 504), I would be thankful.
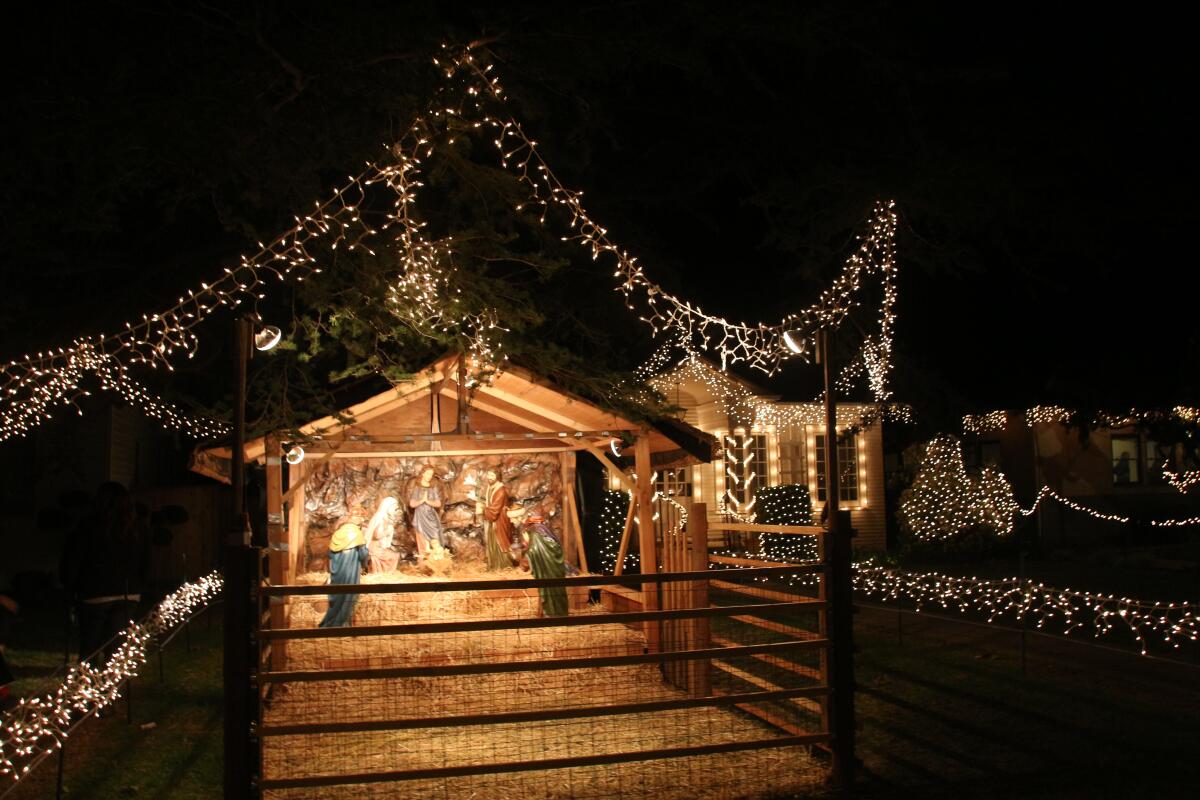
(294, 455)
(267, 338)
(792, 344)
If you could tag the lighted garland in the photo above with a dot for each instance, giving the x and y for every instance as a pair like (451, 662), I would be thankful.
(1183, 481)
(762, 346)
(945, 500)
(789, 504)
(1168, 623)
(993, 421)
(614, 506)
(736, 399)
(739, 452)
(31, 388)
(41, 724)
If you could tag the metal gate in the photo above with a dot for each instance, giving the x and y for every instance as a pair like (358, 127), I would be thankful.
(466, 689)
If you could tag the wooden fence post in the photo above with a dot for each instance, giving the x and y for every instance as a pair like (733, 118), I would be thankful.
(240, 656)
(646, 542)
(841, 652)
(700, 670)
(277, 540)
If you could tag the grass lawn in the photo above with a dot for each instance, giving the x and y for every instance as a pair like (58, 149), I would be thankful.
(180, 757)
(947, 713)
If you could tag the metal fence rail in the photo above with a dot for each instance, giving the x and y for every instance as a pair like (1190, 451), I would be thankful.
(442, 687)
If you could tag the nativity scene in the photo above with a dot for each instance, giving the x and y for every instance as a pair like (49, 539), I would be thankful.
(446, 478)
(423, 573)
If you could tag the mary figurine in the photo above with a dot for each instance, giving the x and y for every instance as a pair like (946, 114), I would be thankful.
(426, 499)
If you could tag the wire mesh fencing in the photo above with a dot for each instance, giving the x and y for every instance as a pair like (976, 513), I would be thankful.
(634, 686)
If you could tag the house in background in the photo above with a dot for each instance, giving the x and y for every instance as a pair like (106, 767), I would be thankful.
(1114, 470)
(51, 474)
(763, 441)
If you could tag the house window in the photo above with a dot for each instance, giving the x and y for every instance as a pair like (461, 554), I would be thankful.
(791, 464)
(847, 456)
(980, 454)
(675, 483)
(1126, 461)
(1159, 457)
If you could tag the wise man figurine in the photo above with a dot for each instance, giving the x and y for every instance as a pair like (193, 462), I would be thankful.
(545, 555)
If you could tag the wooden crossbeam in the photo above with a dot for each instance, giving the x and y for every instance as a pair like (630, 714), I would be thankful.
(626, 481)
(767, 594)
(777, 627)
(796, 669)
(763, 683)
(626, 535)
(755, 527)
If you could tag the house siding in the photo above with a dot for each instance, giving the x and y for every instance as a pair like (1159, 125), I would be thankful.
(868, 515)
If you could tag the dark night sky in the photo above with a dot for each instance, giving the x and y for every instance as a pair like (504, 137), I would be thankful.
(1043, 166)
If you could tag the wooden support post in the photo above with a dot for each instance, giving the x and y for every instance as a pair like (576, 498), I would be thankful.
(647, 545)
(462, 422)
(626, 535)
(277, 538)
(567, 479)
(700, 670)
(613, 469)
(576, 524)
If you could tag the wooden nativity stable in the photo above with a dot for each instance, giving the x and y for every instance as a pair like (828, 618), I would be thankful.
(455, 680)
(524, 427)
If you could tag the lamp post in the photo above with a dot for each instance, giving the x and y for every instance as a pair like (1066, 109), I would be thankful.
(840, 595)
(242, 568)
(237, 457)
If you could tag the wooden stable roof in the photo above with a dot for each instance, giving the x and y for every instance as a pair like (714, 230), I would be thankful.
(515, 411)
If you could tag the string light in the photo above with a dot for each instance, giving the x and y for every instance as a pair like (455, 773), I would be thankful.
(739, 453)
(790, 504)
(1048, 493)
(997, 420)
(614, 506)
(762, 346)
(739, 401)
(64, 384)
(424, 294)
(945, 500)
(1073, 610)
(1169, 623)
(41, 724)
(1183, 481)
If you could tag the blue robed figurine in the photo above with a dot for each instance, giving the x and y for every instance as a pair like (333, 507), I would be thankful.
(347, 556)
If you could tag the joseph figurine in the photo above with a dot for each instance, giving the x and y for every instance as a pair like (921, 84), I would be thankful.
(497, 527)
